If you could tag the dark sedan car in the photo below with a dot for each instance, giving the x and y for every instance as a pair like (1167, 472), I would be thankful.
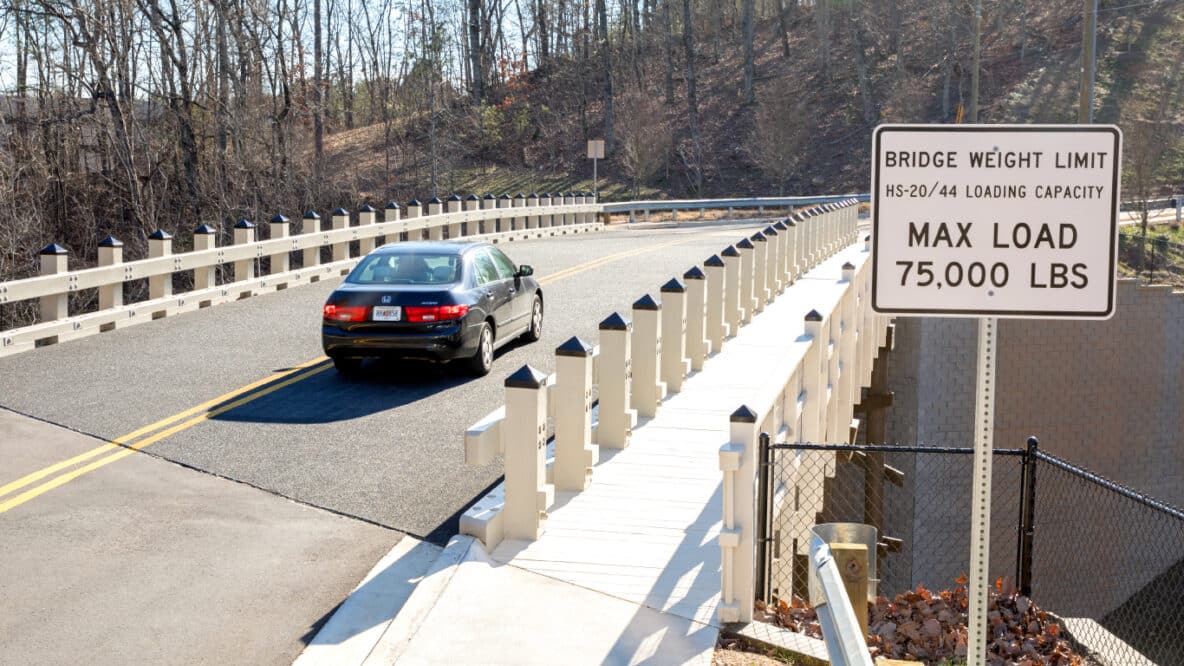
(440, 301)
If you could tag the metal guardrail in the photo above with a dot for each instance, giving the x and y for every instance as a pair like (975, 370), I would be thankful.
(753, 202)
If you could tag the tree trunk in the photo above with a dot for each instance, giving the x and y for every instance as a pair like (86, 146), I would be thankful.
(783, 20)
(861, 75)
(607, 64)
(668, 40)
(822, 24)
(688, 43)
(749, 61)
(318, 118)
(476, 50)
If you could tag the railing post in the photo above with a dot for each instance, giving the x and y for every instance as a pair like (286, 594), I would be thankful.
(814, 370)
(414, 225)
(435, 229)
(471, 228)
(760, 271)
(545, 220)
(525, 435)
(453, 206)
(569, 199)
(277, 227)
(392, 213)
(615, 415)
(505, 220)
(311, 224)
(244, 232)
(717, 327)
(366, 218)
(574, 455)
(489, 225)
(674, 334)
(648, 389)
(1027, 526)
(774, 262)
(848, 387)
(793, 249)
(736, 536)
(518, 221)
(54, 259)
(160, 244)
(747, 295)
(733, 310)
(110, 254)
(532, 201)
(340, 220)
(205, 237)
(698, 346)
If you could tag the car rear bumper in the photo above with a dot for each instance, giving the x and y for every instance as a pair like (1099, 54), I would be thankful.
(442, 344)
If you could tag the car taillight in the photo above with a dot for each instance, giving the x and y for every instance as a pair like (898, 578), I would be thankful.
(430, 313)
(346, 313)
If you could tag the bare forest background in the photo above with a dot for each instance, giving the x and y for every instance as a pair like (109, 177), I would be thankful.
(122, 117)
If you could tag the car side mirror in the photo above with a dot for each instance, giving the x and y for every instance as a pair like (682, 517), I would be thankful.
(525, 271)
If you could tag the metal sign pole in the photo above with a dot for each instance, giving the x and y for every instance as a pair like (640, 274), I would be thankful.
(595, 190)
(980, 517)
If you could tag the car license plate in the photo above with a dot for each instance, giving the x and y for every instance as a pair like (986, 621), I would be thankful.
(388, 313)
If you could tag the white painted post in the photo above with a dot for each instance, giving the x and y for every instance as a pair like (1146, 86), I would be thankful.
(574, 455)
(847, 352)
(110, 254)
(532, 201)
(698, 346)
(160, 244)
(504, 222)
(472, 228)
(773, 262)
(393, 213)
(367, 216)
(277, 227)
(648, 389)
(569, 199)
(814, 371)
(205, 237)
(311, 224)
(737, 536)
(801, 243)
(340, 220)
(54, 260)
(414, 225)
(244, 232)
(733, 310)
(717, 326)
(518, 221)
(524, 432)
(784, 258)
(488, 225)
(675, 365)
(453, 206)
(546, 220)
(435, 228)
(747, 295)
(760, 271)
(615, 415)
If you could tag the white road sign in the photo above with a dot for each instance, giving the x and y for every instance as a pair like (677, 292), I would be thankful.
(995, 220)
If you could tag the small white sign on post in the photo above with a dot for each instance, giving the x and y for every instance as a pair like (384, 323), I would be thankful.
(595, 149)
(993, 221)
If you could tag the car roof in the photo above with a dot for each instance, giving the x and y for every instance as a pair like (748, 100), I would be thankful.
(437, 247)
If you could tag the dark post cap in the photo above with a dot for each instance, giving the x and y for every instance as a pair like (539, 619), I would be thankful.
(526, 377)
(813, 315)
(695, 273)
(545, 195)
(867, 237)
(205, 229)
(788, 223)
(646, 302)
(615, 322)
(533, 195)
(745, 244)
(279, 219)
(520, 196)
(714, 260)
(53, 248)
(673, 286)
(311, 215)
(110, 241)
(848, 266)
(455, 197)
(770, 231)
(759, 237)
(730, 251)
(435, 200)
(413, 202)
(472, 197)
(780, 225)
(1033, 441)
(504, 196)
(341, 211)
(366, 208)
(574, 347)
(241, 224)
(161, 234)
(743, 415)
(490, 196)
(391, 205)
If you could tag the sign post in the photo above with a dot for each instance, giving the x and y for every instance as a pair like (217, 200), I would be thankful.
(595, 152)
(994, 221)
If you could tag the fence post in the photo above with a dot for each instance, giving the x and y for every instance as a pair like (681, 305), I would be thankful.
(698, 346)
(545, 220)
(760, 271)
(391, 213)
(434, 228)
(738, 462)
(674, 333)
(453, 206)
(244, 232)
(569, 199)
(648, 389)
(717, 329)
(54, 259)
(574, 456)
(160, 244)
(503, 222)
(366, 217)
(763, 517)
(414, 229)
(793, 249)
(848, 383)
(1027, 525)
(773, 264)
(277, 227)
(532, 201)
(470, 228)
(518, 221)
(747, 294)
(340, 220)
(814, 379)
(110, 254)
(615, 417)
(205, 237)
(524, 433)
(733, 310)
(311, 224)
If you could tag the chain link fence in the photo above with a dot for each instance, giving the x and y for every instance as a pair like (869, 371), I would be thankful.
(1105, 560)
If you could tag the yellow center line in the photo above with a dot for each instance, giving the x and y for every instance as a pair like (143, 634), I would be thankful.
(219, 405)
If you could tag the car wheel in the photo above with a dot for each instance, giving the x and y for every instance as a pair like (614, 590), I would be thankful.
(481, 362)
(350, 367)
(535, 332)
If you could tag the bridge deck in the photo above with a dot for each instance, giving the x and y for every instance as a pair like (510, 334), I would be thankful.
(645, 529)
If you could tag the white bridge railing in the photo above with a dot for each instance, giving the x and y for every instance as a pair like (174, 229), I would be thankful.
(757, 205)
(491, 218)
(637, 363)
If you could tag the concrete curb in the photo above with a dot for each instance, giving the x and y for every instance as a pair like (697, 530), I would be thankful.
(399, 633)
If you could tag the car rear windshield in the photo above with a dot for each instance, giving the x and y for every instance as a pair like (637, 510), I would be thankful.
(413, 268)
